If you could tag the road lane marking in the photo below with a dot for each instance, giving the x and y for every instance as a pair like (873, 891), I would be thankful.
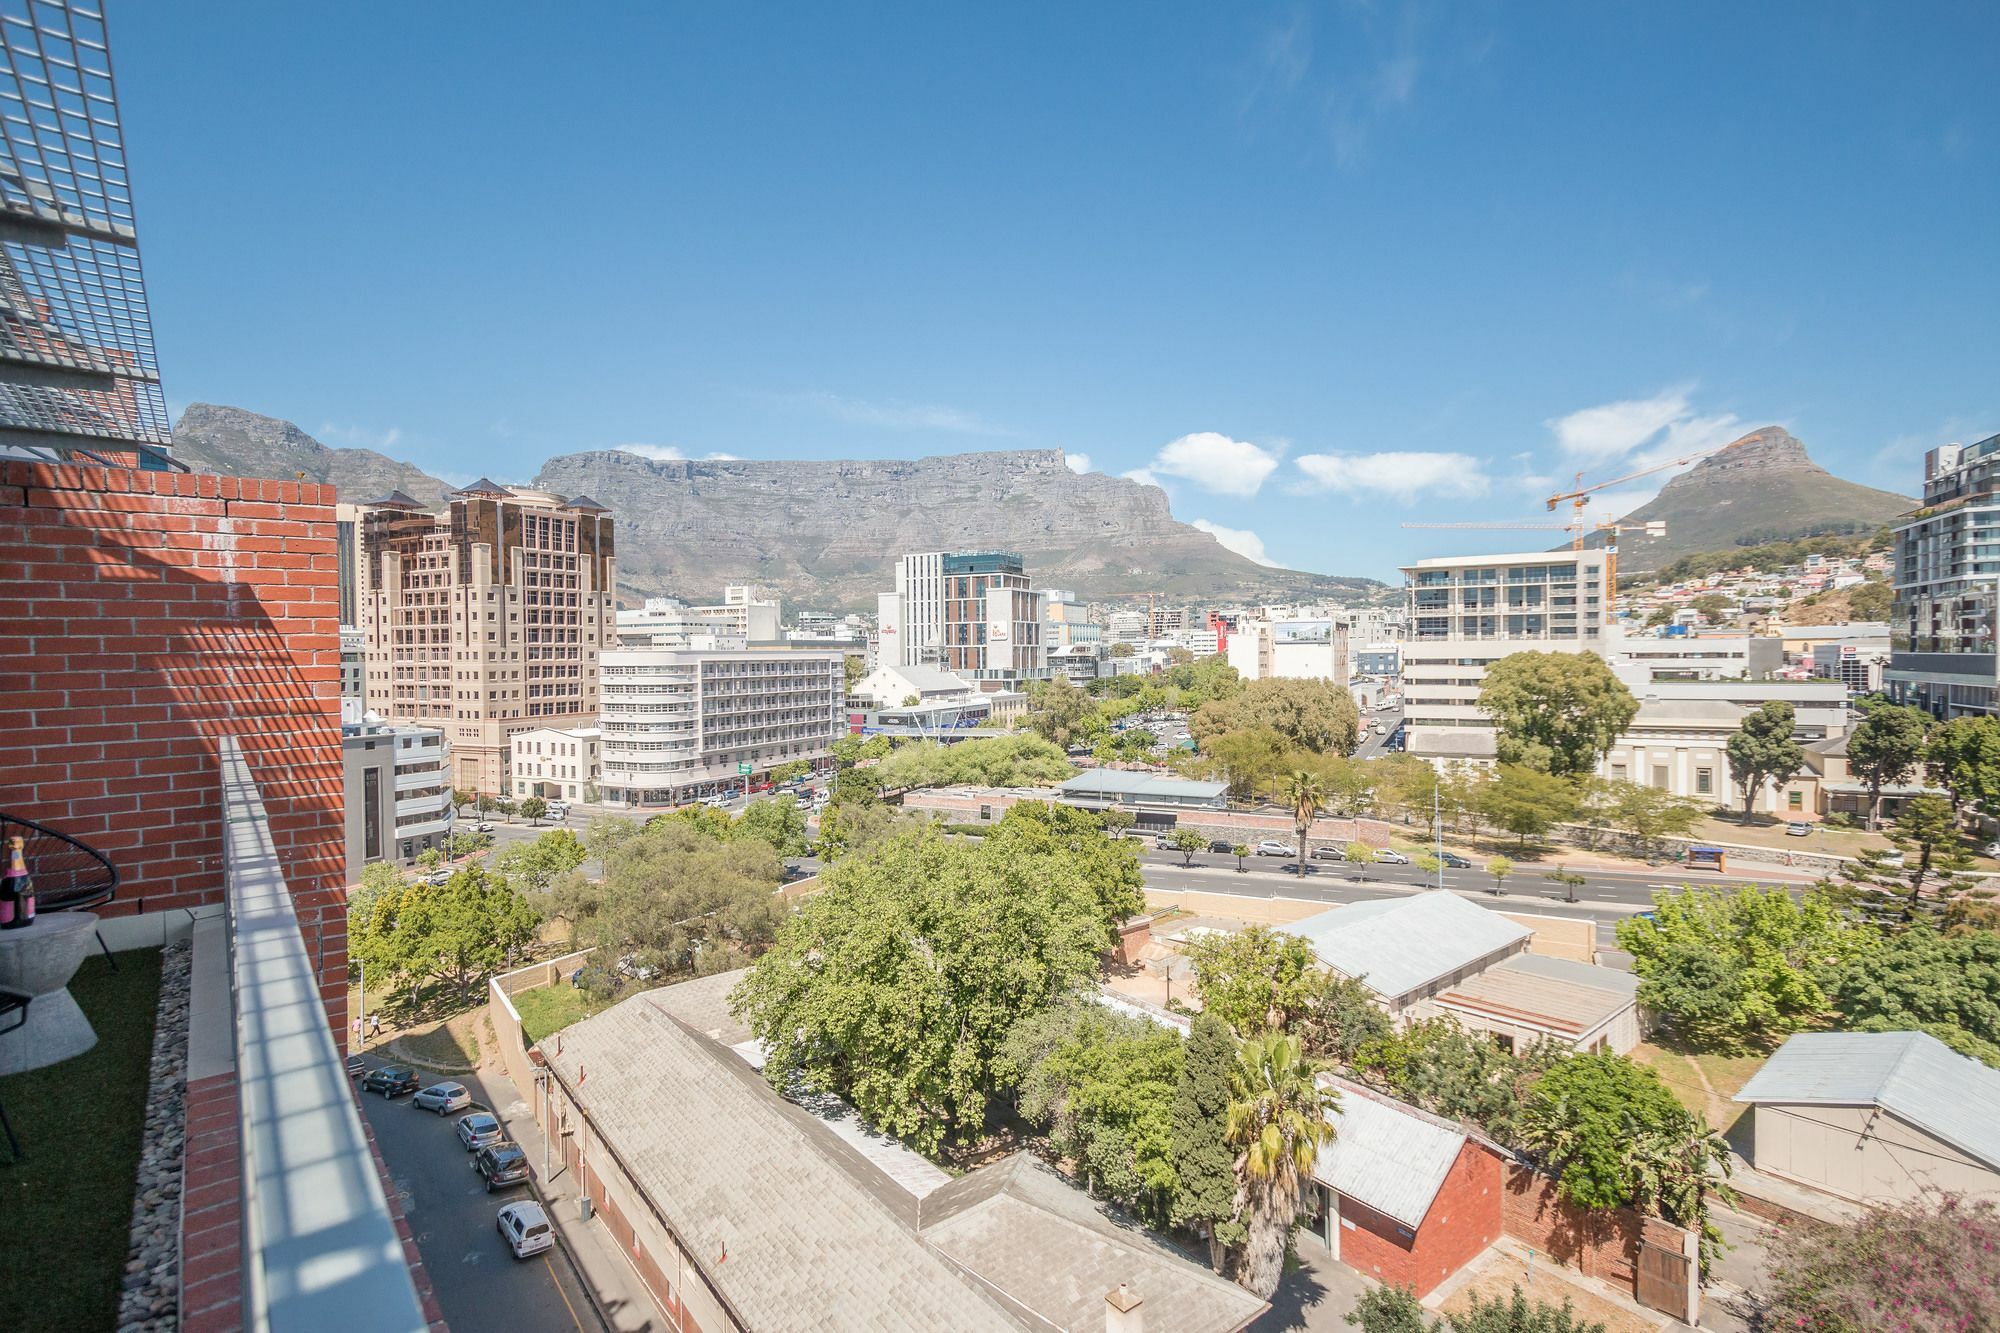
(550, 1265)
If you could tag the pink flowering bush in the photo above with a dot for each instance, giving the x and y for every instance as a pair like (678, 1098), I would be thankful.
(1931, 1267)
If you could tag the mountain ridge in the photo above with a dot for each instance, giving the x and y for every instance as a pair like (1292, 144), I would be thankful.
(823, 533)
(1763, 486)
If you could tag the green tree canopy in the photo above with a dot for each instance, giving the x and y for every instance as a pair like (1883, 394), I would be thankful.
(1253, 979)
(1963, 757)
(680, 899)
(1919, 980)
(1734, 970)
(533, 808)
(1020, 760)
(457, 932)
(1064, 716)
(1310, 714)
(1279, 1117)
(1526, 802)
(895, 983)
(1103, 1084)
(775, 821)
(1439, 1066)
(531, 867)
(1647, 813)
(1205, 1173)
(1559, 713)
(1764, 751)
(1885, 749)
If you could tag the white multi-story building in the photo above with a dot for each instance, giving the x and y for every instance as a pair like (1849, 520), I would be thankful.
(669, 622)
(972, 613)
(1466, 613)
(1290, 649)
(1700, 656)
(1678, 741)
(678, 724)
(398, 781)
(1126, 626)
(557, 763)
(353, 677)
(1944, 657)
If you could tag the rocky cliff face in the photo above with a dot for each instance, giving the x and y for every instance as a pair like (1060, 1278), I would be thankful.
(1763, 487)
(233, 442)
(825, 532)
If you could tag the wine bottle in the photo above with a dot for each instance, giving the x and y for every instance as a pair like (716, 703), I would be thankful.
(17, 891)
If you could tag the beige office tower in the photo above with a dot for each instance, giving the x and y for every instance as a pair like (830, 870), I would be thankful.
(485, 620)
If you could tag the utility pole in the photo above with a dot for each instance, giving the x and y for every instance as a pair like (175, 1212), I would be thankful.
(1437, 833)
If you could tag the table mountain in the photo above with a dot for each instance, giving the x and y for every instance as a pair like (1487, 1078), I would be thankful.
(233, 442)
(822, 534)
(1763, 487)
(825, 532)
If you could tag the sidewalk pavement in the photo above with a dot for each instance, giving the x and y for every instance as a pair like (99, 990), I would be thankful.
(623, 1303)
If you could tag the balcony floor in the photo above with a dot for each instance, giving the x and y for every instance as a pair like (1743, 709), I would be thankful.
(81, 1124)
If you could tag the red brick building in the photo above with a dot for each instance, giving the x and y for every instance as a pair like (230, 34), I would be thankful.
(147, 615)
(1405, 1197)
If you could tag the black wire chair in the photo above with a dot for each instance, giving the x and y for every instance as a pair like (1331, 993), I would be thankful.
(70, 876)
(13, 1005)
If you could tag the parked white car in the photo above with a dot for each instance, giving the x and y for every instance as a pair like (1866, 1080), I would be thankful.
(1272, 847)
(443, 1098)
(526, 1228)
(1391, 857)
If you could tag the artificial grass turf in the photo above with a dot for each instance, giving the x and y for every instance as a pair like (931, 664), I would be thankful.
(67, 1205)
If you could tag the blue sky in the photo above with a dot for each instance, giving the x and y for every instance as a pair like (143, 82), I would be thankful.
(1318, 270)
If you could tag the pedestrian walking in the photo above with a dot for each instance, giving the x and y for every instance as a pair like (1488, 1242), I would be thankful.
(357, 1030)
(375, 1025)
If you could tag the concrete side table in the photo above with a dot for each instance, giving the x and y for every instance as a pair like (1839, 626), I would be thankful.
(40, 959)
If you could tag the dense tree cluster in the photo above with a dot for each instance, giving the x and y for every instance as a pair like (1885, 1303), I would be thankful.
(1558, 713)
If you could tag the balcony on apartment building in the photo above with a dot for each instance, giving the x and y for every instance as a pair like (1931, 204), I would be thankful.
(280, 1219)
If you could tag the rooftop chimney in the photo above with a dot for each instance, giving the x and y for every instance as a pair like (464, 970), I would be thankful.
(1124, 1311)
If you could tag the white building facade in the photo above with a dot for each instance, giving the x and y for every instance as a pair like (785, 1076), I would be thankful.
(680, 724)
(558, 764)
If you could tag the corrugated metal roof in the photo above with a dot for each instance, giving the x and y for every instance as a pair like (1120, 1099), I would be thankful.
(1389, 1156)
(1912, 1075)
(1126, 782)
(1398, 944)
(1566, 1005)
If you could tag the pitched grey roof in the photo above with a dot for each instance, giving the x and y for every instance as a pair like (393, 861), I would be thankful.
(703, 1004)
(483, 487)
(1398, 944)
(820, 1237)
(586, 504)
(394, 500)
(816, 1237)
(930, 679)
(1555, 995)
(1051, 1253)
(1392, 1157)
(1129, 782)
(1912, 1075)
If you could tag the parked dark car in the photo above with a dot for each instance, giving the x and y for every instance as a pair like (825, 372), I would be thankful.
(390, 1081)
(502, 1164)
(1455, 861)
(1223, 845)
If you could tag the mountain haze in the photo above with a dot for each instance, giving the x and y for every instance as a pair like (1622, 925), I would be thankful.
(1763, 487)
(821, 533)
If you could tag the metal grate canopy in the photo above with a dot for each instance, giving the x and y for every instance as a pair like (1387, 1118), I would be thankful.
(76, 338)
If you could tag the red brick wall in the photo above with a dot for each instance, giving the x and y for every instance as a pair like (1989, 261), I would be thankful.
(1601, 1244)
(143, 615)
(1463, 1220)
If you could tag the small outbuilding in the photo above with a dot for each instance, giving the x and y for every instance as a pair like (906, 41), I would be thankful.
(1408, 950)
(1877, 1117)
(1531, 998)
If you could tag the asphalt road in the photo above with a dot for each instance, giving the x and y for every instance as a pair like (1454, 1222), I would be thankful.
(1371, 744)
(479, 1284)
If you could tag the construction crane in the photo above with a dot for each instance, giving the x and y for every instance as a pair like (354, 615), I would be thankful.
(1580, 496)
(1575, 526)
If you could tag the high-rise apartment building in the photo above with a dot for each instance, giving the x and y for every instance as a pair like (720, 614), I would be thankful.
(678, 724)
(485, 620)
(1465, 614)
(1947, 579)
(1292, 649)
(975, 614)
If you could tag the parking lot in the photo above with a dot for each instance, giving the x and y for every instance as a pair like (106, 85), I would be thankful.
(479, 1283)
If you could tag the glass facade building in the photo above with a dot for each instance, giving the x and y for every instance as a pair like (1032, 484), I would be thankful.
(79, 378)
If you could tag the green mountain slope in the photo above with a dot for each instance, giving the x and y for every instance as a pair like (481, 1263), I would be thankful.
(1764, 487)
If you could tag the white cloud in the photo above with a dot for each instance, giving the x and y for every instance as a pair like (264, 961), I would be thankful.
(669, 453)
(1144, 476)
(1404, 475)
(359, 437)
(1612, 430)
(894, 414)
(1240, 540)
(1077, 463)
(1215, 463)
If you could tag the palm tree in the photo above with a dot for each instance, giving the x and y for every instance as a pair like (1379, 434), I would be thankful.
(1306, 794)
(1279, 1115)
